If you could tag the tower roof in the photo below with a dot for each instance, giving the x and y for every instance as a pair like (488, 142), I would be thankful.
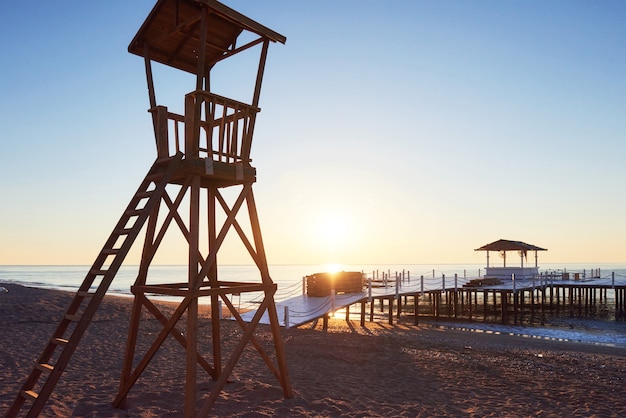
(171, 33)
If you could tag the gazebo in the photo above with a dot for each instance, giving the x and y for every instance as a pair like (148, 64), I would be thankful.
(506, 272)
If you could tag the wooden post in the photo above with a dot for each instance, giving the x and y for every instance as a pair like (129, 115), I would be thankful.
(613, 279)
(505, 308)
(463, 297)
(475, 299)
(192, 127)
(149, 78)
(485, 302)
(515, 305)
(192, 309)
(247, 142)
(551, 290)
(397, 287)
(161, 130)
(362, 313)
(432, 299)
(456, 297)
(216, 342)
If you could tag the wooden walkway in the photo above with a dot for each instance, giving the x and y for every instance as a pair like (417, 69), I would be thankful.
(302, 309)
(446, 297)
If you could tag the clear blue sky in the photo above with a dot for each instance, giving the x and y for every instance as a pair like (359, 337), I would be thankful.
(390, 132)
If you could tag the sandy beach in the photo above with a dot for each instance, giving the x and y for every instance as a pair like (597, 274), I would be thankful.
(378, 370)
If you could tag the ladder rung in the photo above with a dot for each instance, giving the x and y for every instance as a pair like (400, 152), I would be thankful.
(30, 394)
(44, 367)
(73, 318)
(98, 272)
(109, 251)
(85, 294)
(143, 195)
(60, 341)
(133, 212)
(123, 231)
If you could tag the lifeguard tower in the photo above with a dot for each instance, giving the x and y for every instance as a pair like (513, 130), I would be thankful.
(200, 153)
(504, 272)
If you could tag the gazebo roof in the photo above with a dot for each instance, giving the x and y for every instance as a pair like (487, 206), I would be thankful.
(171, 32)
(506, 245)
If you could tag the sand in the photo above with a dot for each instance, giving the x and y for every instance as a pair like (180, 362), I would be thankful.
(376, 370)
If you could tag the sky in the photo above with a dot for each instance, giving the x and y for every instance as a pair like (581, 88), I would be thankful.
(390, 132)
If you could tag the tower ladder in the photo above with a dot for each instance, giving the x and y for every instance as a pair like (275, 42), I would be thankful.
(57, 353)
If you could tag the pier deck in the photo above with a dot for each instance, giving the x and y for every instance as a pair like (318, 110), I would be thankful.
(450, 298)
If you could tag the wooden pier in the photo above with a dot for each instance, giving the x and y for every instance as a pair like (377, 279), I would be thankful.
(510, 301)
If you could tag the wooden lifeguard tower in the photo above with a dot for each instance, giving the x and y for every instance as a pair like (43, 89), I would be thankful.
(199, 154)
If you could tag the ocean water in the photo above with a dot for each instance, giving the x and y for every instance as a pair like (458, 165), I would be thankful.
(289, 279)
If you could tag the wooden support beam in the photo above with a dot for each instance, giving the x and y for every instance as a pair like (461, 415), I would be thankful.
(161, 132)
(253, 340)
(192, 310)
(235, 355)
(505, 306)
(151, 352)
(362, 313)
(399, 307)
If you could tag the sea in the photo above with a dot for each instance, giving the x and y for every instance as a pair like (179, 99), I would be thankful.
(290, 282)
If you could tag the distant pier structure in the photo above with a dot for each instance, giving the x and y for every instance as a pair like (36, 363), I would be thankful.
(200, 186)
(502, 246)
(504, 292)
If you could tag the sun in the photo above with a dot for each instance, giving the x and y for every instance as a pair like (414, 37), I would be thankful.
(332, 236)
(332, 228)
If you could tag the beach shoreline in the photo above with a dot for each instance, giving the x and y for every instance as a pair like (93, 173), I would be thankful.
(347, 370)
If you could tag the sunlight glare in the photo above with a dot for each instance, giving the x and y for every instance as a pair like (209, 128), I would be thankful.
(334, 268)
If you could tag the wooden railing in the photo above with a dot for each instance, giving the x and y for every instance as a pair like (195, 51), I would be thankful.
(213, 127)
